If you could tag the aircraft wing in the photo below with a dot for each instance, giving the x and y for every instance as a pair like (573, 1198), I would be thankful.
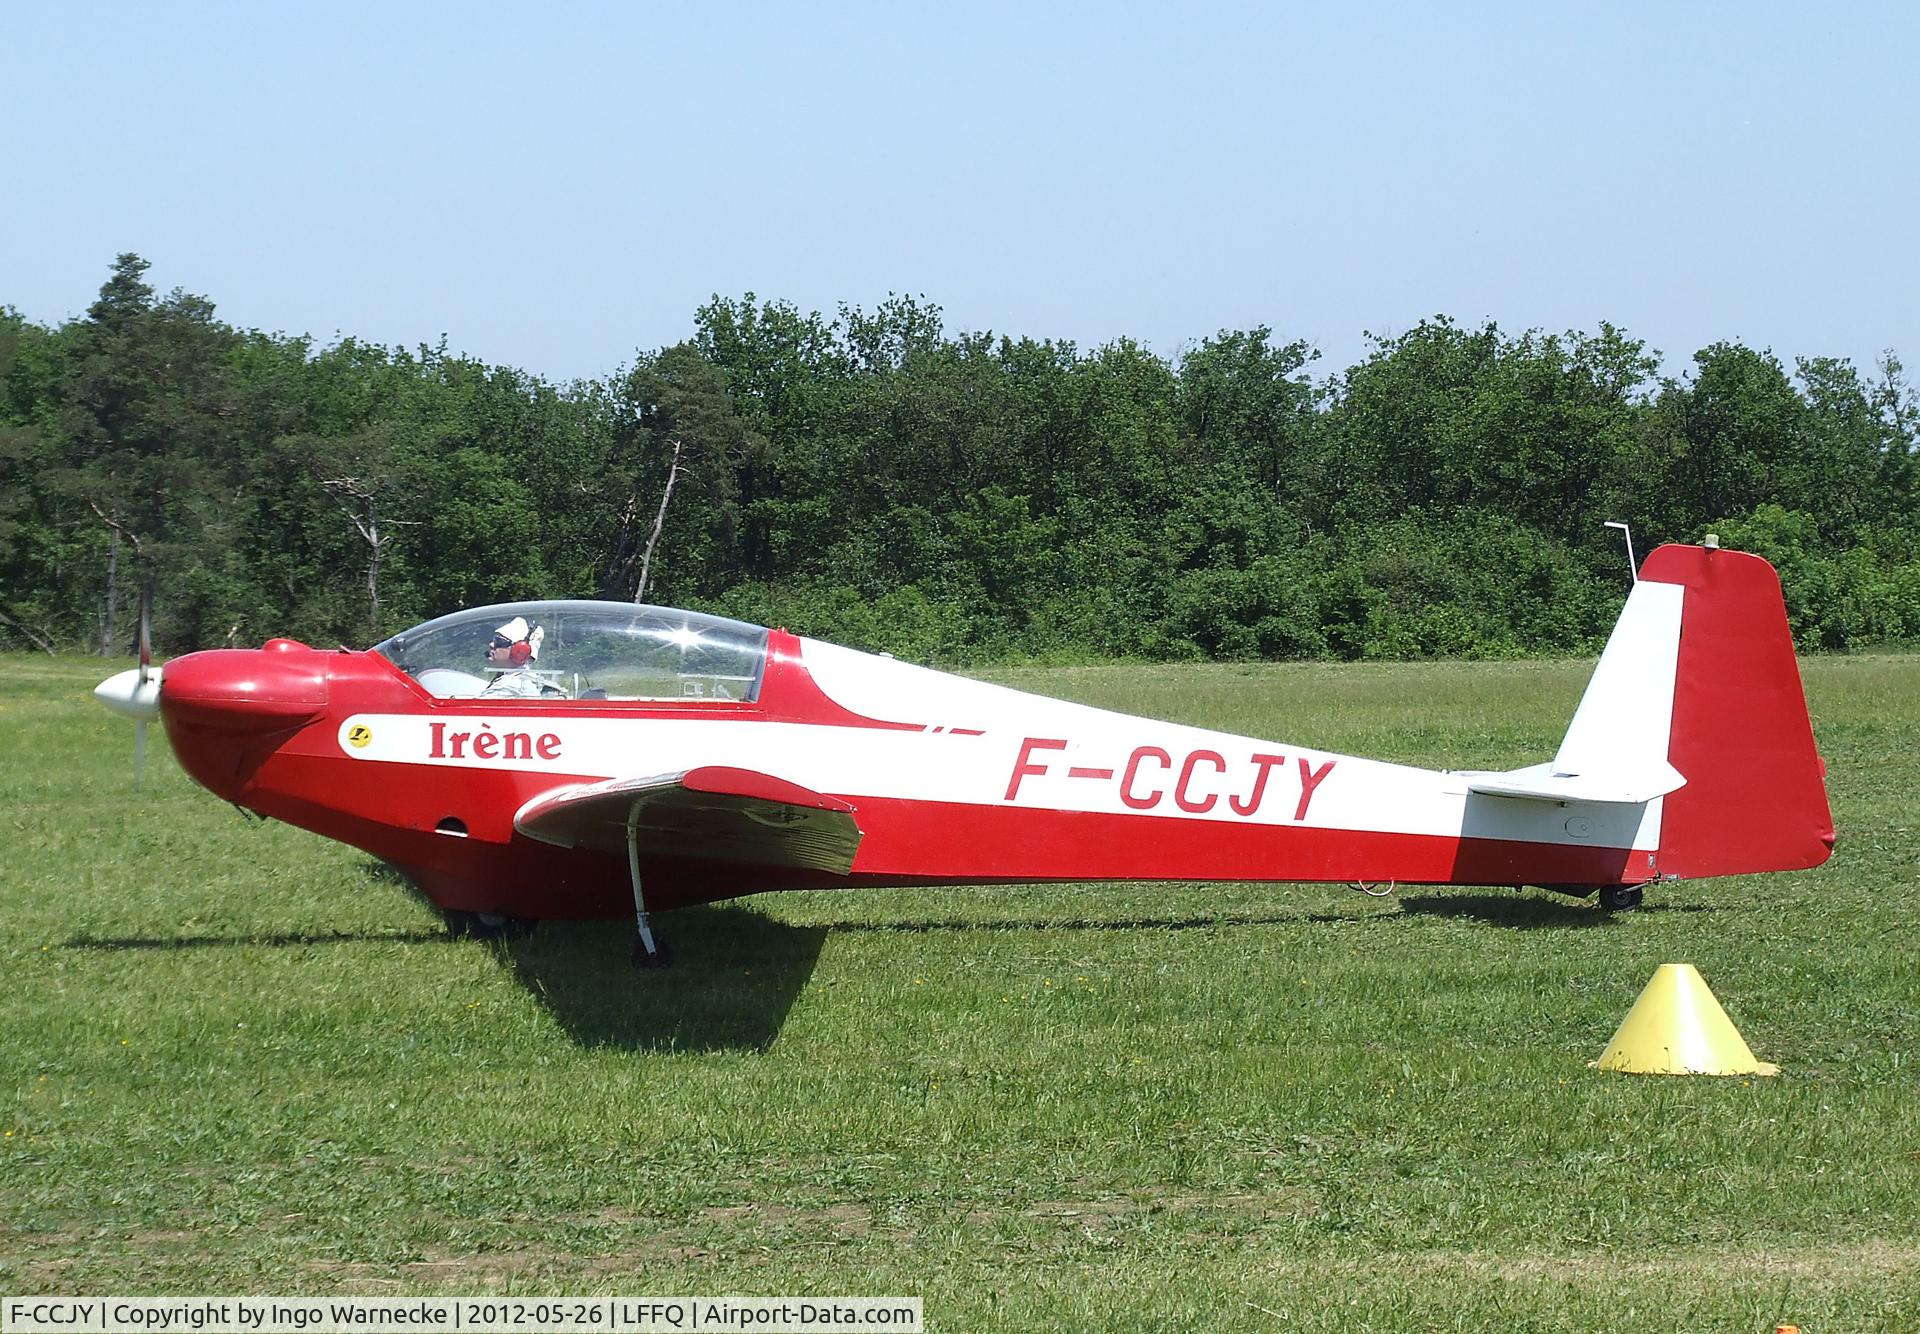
(713, 813)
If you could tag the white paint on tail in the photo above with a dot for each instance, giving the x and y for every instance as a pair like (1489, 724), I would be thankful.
(1626, 717)
(1615, 750)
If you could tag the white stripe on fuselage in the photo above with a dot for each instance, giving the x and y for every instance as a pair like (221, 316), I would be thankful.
(1109, 763)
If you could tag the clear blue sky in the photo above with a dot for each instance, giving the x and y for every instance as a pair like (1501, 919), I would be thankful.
(557, 186)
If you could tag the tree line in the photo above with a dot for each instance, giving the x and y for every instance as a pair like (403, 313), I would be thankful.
(873, 478)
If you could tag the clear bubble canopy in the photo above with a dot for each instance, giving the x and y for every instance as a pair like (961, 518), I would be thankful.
(589, 651)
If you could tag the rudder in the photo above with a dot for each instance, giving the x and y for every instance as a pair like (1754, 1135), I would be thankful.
(1755, 797)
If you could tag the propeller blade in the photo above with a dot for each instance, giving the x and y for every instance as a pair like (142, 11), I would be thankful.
(135, 693)
(146, 633)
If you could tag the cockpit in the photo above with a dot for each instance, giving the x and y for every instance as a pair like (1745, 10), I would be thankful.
(601, 651)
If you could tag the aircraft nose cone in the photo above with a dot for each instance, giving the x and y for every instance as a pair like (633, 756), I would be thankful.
(246, 690)
(128, 696)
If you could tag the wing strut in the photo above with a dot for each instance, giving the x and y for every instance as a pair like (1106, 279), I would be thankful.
(647, 952)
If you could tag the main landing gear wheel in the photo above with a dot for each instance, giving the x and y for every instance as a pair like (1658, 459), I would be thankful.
(1616, 898)
(660, 957)
(488, 925)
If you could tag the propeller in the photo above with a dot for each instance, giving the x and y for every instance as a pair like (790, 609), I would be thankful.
(146, 673)
(135, 693)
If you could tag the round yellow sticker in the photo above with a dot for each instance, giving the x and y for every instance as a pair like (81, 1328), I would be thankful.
(359, 735)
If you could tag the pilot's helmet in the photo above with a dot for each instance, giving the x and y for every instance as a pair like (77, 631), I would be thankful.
(516, 643)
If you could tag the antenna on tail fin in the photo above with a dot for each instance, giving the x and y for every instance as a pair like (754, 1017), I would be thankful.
(1632, 567)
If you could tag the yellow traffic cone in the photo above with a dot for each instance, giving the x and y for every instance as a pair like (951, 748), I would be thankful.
(1678, 1028)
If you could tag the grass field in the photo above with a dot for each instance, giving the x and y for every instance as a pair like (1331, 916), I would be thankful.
(240, 1059)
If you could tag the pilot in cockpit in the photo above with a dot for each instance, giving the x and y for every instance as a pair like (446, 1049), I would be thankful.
(513, 649)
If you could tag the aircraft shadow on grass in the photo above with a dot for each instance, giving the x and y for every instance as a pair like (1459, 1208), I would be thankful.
(1515, 911)
(736, 976)
(1525, 912)
(258, 939)
(1189, 922)
(738, 973)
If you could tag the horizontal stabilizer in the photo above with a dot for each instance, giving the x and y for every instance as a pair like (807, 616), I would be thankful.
(711, 813)
(1540, 783)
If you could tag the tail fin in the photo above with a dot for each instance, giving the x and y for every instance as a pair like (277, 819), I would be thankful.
(1697, 704)
(1755, 796)
(1616, 747)
(1621, 730)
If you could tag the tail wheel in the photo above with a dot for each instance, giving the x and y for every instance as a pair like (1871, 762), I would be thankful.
(1616, 898)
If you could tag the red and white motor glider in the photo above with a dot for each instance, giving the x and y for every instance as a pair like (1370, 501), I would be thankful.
(658, 758)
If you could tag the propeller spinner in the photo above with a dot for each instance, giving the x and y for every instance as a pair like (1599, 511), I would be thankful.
(135, 693)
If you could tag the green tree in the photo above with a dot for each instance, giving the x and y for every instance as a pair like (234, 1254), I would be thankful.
(147, 406)
(679, 418)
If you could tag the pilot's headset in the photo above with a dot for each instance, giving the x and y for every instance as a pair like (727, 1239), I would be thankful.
(521, 643)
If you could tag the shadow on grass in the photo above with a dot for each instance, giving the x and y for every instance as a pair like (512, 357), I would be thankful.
(1524, 911)
(736, 974)
(1195, 922)
(272, 940)
(1515, 910)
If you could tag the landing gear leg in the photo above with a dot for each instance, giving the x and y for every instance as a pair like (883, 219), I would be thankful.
(648, 951)
(1616, 898)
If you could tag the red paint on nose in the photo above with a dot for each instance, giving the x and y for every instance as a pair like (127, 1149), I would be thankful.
(227, 710)
(245, 690)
